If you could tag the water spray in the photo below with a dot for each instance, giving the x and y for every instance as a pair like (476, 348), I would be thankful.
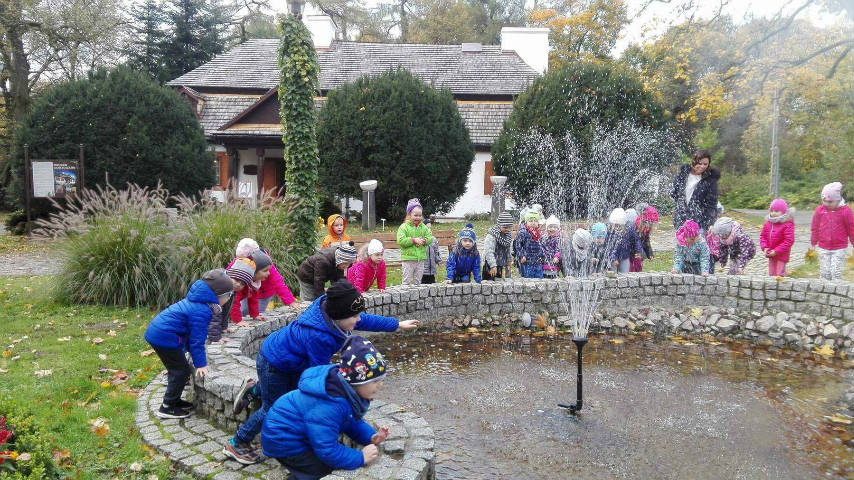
(583, 299)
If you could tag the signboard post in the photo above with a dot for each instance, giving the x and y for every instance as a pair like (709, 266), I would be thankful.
(51, 178)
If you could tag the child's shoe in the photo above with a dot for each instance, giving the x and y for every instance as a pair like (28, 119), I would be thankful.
(242, 453)
(185, 405)
(172, 411)
(244, 396)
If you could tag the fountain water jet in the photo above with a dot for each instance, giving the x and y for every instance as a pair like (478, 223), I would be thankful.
(583, 299)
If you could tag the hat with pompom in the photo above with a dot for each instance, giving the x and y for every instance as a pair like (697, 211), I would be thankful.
(361, 362)
(468, 232)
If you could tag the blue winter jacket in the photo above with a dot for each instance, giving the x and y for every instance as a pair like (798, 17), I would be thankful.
(312, 339)
(526, 246)
(460, 268)
(313, 416)
(185, 324)
(628, 245)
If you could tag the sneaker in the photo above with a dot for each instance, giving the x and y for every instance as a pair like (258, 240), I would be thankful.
(172, 411)
(243, 453)
(185, 404)
(244, 396)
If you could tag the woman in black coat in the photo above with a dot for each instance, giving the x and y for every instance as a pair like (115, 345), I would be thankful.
(695, 192)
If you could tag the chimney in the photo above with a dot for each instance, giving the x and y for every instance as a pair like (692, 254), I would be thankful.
(531, 44)
(322, 30)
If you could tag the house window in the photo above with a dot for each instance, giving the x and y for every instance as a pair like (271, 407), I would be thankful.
(487, 172)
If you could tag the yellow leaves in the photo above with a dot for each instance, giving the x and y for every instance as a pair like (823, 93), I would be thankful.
(696, 312)
(551, 330)
(99, 426)
(839, 418)
(471, 330)
(6, 354)
(811, 256)
(106, 384)
(825, 350)
(616, 341)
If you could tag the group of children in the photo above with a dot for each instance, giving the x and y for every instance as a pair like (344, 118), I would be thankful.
(831, 231)
(306, 402)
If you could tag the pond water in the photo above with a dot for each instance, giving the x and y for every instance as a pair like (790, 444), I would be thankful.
(665, 409)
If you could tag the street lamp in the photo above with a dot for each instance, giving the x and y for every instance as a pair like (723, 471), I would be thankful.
(295, 6)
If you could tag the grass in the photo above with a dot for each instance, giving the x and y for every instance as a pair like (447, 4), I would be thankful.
(810, 270)
(85, 380)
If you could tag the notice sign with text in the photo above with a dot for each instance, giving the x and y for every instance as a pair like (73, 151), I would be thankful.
(54, 178)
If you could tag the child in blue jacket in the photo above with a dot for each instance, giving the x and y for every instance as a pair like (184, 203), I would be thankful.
(312, 339)
(182, 327)
(464, 260)
(301, 430)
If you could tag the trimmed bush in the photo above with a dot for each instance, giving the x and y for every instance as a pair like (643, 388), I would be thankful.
(126, 248)
(25, 454)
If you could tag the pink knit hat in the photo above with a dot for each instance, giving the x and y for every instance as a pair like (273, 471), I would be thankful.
(832, 192)
(779, 205)
(650, 215)
(689, 230)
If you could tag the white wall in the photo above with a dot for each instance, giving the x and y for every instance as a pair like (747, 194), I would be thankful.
(474, 200)
(531, 44)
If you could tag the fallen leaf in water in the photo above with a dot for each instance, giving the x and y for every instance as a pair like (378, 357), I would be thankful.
(689, 344)
(714, 343)
(825, 350)
(616, 340)
(837, 418)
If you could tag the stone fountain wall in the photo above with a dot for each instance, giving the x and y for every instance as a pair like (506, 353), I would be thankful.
(791, 313)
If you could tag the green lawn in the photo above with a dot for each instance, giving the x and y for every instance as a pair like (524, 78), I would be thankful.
(70, 365)
(810, 270)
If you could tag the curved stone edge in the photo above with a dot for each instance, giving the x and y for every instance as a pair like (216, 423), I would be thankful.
(195, 444)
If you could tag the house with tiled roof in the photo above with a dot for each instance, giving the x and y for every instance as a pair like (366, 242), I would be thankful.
(234, 96)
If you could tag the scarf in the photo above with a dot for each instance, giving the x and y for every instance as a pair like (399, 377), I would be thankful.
(502, 239)
(535, 233)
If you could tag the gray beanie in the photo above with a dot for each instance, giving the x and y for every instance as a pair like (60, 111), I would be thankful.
(261, 259)
(243, 269)
(218, 281)
(723, 226)
(345, 253)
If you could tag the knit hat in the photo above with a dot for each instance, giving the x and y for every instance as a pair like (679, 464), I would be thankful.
(631, 216)
(779, 205)
(261, 259)
(343, 300)
(532, 215)
(218, 281)
(599, 230)
(375, 246)
(505, 219)
(617, 217)
(243, 270)
(723, 226)
(345, 253)
(411, 204)
(361, 362)
(552, 220)
(689, 229)
(245, 246)
(641, 207)
(650, 215)
(832, 192)
(467, 232)
(537, 208)
(582, 239)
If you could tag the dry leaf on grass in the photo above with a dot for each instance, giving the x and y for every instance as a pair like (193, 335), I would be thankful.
(836, 418)
(43, 373)
(97, 340)
(100, 426)
(63, 339)
(146, 353)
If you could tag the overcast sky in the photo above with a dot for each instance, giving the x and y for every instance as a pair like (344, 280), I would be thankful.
(655, 19)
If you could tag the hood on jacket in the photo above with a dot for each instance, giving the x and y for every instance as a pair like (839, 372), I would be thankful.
(789, 216)
(324, 381)
(316, 318)
(332, 218)
(200, 292)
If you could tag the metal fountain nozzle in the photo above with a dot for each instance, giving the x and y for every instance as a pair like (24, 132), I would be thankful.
(575, 407)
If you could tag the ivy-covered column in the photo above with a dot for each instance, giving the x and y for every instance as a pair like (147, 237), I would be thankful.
(298, 71)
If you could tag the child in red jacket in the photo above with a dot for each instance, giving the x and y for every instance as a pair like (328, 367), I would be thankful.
(251, 292)
(831, 230)
(777, 237)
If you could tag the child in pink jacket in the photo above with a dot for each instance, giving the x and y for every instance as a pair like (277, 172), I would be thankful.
(263, 291)
(831, 230)
(777, 237)
(369, 267)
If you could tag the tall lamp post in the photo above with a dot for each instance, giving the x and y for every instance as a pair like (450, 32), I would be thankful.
(295, 7)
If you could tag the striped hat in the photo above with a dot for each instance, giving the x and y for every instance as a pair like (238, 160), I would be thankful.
(345, 253)
(505, 219)
(242, 270)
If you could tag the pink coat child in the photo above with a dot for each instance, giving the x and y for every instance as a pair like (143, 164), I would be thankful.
(831, 230)
(369, 267)
(777, 237)
(261, 295)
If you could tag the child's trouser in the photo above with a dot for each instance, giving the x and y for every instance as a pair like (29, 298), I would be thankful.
(412, 270)
(262, 304)
(178, 369)
(624, 266)
(830, 263)
(306, 292)
(273, 384)
(528, 271)
(500, 272)
(305, 466)
(693, 268)
(776, 268)
(428, 279)
(636, 265)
